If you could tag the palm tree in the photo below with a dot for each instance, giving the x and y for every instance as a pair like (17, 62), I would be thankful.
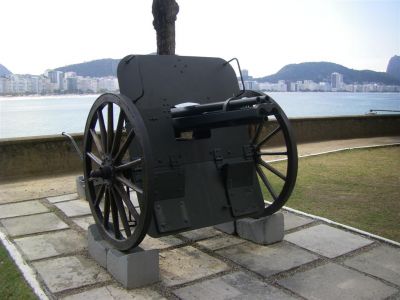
(165, 12)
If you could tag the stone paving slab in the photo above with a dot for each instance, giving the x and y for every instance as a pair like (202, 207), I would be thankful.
(34, 188)
(186, 264)
(33, 224)
(267, 260)
(327, 241)
(21, 209)
(232, 286)
(74, 208)
(160, 243)
(115, 293)
(84, 222)
(62, 198)
(51, 244)
(219, 242)
(70, 272)
(334, 282)
(382, 262)
(293, 221)
(199, 234)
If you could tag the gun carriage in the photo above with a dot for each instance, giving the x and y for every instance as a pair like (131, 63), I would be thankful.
(182, 147)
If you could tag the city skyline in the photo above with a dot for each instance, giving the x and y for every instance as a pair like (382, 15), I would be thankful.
(264, 35)
(58, 82)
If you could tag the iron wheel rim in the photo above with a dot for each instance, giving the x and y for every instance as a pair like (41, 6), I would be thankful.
(289, 177)
(110, 179)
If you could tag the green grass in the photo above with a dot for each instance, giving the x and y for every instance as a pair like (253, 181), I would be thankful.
(12, 284)
(360, 188)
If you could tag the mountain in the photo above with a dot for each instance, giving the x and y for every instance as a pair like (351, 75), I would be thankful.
(4, 71)
(321, 71)
(95, 68)
(393, 67)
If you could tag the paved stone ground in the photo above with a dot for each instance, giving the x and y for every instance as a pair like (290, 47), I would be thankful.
(48, 224)
(314, 261)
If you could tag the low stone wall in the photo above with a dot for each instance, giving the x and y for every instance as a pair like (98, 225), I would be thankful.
(348, 127)
(46, 155)
(35, 156)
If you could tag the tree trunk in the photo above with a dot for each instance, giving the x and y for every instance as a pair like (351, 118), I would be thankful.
(164, 12)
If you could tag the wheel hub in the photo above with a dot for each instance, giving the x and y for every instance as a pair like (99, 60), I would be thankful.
(106, 171)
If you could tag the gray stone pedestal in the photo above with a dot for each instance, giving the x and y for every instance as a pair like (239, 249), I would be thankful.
(133, 269)
(264, 231)
(80, 186)
(228, 227)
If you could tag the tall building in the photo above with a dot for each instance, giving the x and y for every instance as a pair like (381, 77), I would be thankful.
(336, 81)
(56, 78)
(72, 84)
(245, 74)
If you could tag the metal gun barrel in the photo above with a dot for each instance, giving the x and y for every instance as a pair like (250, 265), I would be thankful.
(178, 112)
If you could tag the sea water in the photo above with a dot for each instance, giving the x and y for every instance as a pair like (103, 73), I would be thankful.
(35, 116)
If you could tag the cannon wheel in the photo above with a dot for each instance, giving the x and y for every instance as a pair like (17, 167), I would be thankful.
(117, 170)
(259, 139)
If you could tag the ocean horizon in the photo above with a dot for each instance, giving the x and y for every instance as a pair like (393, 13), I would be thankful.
(24, 116)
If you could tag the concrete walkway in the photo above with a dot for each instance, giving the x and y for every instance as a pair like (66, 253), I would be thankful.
(314, 261)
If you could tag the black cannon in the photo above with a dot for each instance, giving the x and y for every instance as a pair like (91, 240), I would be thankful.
(182, 147)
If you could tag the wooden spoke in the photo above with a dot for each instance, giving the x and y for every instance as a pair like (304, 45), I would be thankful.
(257, 134)
(272, 169)
(118, 133)
(130, 184)
(127, 201)
(106, 209)
(272, 153)
(103, 132)
(116, 171)
(129, 165)
(94, 158)
(110, 126)
(99, 195)
(266, 182)
(275, 131)
(97, 141)
(114, 213)
(122, 213)
(125, 146)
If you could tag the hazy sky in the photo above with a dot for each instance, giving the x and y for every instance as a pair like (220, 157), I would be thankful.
(265, 35)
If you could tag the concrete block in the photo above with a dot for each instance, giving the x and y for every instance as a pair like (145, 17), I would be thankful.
(334, 282)
(80, 186)
(264, 231)
(327, 240)
(135, 268)
(97, 246)
(228, 227)
(132, 269)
